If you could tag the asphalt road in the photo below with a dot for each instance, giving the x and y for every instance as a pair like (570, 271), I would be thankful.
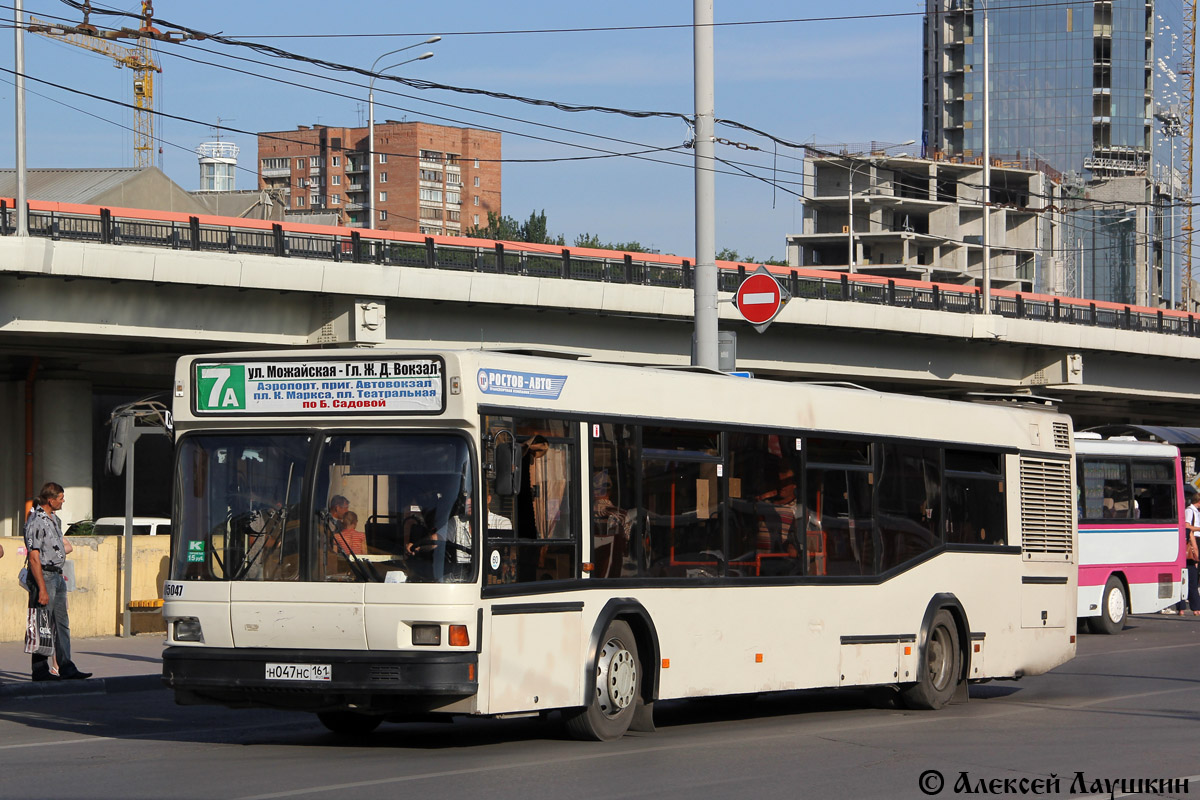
(1125, 708)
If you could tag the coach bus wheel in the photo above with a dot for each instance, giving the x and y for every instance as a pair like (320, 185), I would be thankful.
(349, 723)
(618, 678)
(940, 670)
(1113, 609)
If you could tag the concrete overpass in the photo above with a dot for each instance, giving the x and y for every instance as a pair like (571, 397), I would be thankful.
(98, 303)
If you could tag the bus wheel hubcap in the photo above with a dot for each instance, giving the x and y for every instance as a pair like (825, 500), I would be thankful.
(939, 658)
(618, 672)
(1116, 605)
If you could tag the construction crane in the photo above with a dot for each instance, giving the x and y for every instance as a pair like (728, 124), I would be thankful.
(139, 58)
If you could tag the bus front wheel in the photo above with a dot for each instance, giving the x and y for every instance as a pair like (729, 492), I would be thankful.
(1113, 608)
(349, 723)
(940, 668)
(618, 679)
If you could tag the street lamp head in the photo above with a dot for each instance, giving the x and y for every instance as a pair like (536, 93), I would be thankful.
(432, 40)
(424, 56)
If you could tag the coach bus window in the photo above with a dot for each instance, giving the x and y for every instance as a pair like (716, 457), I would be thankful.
(764, 536)
(1106, 492)
(237, 500)
(531, 535)
(909, 497)
(394, 504)
(838, 493)
(614, 517)
(974, 498)
(1154, 491)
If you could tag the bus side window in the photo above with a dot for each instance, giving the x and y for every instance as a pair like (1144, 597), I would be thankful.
(531, 534)
(1154, 490)
(974, 498)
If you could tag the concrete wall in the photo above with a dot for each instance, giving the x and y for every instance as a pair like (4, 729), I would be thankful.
(95, 605)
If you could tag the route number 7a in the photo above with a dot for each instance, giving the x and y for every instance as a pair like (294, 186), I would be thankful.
(220, 396)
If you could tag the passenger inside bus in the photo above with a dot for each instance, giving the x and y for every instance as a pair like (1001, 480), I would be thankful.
(610, 528)
(351, 539)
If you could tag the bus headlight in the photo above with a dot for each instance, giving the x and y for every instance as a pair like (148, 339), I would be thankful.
(187, 629)
(427, 634)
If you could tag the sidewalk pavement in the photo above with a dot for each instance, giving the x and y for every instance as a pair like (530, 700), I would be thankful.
(117, 664)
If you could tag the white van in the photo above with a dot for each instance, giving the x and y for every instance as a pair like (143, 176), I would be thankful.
(142, 526)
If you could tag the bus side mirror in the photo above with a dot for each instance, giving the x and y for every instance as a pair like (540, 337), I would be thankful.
(120, 442)
(508, 469)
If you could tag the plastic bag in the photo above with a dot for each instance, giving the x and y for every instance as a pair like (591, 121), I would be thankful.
(39, 634)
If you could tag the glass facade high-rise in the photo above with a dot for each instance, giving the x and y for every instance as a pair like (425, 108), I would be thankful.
(1079, 90)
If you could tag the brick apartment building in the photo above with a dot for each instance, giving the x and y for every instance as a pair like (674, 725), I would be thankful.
(429, 179)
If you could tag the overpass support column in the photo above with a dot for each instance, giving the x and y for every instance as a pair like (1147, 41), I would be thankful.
(62, 443)
(12, 458)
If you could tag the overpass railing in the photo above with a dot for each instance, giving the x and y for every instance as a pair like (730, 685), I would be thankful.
(175, 231)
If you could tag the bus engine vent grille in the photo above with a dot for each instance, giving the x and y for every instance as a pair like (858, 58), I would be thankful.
(386, 672)
(1046, 506)
(1062, 436)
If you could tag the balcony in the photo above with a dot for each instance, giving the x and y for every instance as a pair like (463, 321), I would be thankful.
(314, 170)
(278, 172)
(354, 206)
(352, 166)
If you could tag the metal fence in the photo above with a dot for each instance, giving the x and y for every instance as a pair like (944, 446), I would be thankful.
(497, 259)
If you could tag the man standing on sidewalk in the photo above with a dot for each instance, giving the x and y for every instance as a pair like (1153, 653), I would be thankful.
(47, 554)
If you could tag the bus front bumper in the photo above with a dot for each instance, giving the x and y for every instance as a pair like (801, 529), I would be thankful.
(297, 678)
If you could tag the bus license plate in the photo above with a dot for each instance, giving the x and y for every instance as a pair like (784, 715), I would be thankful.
(298, 672)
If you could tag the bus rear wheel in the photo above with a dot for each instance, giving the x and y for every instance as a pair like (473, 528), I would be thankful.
(618, 680)
(1113, 609)
(940, 669)
(348, 723)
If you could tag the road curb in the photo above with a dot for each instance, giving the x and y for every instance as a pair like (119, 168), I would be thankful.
(117, 685)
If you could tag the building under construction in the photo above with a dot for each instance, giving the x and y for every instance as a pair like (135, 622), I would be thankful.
(1099, 91)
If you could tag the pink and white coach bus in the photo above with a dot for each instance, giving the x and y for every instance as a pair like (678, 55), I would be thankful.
(385, 534)
(1130, 500)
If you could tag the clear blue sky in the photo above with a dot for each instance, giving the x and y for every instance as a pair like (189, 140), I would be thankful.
(822, 81)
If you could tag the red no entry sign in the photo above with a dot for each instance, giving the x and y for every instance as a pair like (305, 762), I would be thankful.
(759, 298)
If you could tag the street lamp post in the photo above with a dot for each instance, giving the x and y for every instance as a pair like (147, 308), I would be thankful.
(19, 84)
(370, 204)
(850, 197)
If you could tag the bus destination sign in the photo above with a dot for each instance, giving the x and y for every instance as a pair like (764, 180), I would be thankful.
(346, 386)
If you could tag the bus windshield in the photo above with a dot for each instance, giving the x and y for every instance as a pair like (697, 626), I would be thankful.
(310, 507)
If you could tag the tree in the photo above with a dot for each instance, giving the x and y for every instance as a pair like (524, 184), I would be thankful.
(726, 254)
(500, 228)
(507, 229)
(592, 240)
(534, 230)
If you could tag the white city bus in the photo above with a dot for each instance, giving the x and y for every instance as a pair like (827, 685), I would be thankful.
(1131, 545)
(527, 534)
